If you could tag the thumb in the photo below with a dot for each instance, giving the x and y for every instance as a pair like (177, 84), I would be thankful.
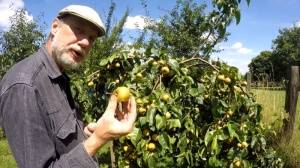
(112, 105)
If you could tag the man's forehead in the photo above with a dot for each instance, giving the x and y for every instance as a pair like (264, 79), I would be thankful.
(82, 23)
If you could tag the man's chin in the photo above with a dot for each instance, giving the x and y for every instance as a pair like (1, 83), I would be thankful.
(72, 66)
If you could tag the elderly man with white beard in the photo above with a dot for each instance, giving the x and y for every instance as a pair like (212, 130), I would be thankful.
(43, 126)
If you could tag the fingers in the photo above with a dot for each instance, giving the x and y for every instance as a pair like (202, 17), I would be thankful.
(112, 106)
(90, 128)
(131, 108)
(119, 114)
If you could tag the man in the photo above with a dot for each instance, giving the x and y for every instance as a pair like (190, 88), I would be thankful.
(37, 111)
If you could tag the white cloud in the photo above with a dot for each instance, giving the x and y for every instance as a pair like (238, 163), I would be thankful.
(236, 49)
(236, 55)
(7, 8)
(237, 45)
(244, 51)
(136, 22)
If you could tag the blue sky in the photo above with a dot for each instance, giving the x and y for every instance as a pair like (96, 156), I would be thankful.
(260, 22)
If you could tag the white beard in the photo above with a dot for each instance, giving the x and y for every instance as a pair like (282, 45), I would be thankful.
(62, 53)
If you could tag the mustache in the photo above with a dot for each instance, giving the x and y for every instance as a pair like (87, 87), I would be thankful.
(78, 50)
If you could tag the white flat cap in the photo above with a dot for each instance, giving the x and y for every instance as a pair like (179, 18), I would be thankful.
(86, 13)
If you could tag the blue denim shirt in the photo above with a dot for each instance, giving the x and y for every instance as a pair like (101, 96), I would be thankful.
(39, 118)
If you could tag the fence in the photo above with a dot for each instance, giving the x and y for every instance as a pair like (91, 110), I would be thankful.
(291, 86)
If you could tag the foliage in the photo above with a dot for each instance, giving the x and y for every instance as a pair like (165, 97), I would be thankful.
(212, 123)
(23, 38)
(285, 53)
(261, 67)
(187, 31)
(286, 50)
(189, 114)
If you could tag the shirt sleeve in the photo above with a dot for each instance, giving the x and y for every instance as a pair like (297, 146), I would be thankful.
(27, 133)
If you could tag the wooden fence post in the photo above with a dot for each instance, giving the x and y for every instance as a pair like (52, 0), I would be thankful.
(292, 90)
(248, 82)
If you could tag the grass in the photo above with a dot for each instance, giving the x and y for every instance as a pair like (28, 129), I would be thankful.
(6, 158)
(273, 103)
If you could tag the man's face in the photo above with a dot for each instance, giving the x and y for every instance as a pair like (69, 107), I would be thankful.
(72, 41)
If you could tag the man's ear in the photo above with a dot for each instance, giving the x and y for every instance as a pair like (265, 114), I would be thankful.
(54, 26)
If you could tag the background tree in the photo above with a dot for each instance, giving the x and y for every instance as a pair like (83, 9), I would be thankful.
(190, 30)
(262, 67)
(285, 53)
(184, 120)
(23, 38)
(187, 31)
(286, 50)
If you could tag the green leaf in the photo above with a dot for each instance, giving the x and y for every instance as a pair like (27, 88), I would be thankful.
(223, 134)
(214, 143)
(200, 99)
(87, 117)
(182, 143)
(220, 4)
(174, 65)
(151, 161)
(154, 69)
(237, 15)
(189, 79)
(159, 121)
(224, 104)
(174, 123)
(154, 52)
(103, 62)
(222, 30)
(141, 146)
(270, 154)
(263, 142)
(142, 120)
(209, 136)
(78, 85)
(246, 163)
(164, 140)
(253, 141)
(202, 153)
(111, 58)
(231, 153)
(151, 115)
(135, 136)
(248, 2)
(193, 92)
(234, 132)
(176, 110)
(201, 88)
(213, 162)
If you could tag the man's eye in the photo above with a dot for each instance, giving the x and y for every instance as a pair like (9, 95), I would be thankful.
(77, 29)
(92, 39)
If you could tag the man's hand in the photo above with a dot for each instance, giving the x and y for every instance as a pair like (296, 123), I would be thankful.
(90, 128)
(108, 127)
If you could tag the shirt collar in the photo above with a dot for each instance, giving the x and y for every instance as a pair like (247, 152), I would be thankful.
(51, 67)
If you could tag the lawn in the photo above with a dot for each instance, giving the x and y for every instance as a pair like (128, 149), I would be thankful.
(6, 158)
(273, 103)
